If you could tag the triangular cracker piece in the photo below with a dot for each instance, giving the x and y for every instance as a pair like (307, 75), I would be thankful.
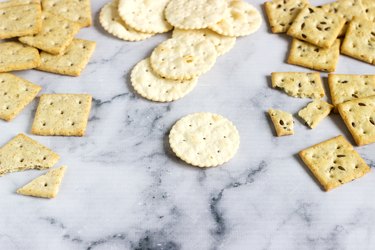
(44, 186)
(282, 121)
(315, 112)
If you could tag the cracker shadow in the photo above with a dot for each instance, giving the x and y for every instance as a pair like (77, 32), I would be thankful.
(326, 88)
(299, 160)
(339, 123)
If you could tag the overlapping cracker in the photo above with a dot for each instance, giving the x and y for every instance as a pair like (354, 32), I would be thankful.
(315, 112)
(282, 121)
(16, 56)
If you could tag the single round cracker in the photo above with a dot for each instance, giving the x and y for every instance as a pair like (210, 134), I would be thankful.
(222, 43)
(113, 24)
(155, 88)
(240, 19)
(183, 58)
(204, 139)
(195, 14)
(145, 16)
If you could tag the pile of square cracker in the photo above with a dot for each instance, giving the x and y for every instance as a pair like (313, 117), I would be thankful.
(42, 37)
(316, 33)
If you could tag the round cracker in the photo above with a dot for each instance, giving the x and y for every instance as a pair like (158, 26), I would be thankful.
(204, 139)
(222, 43)
(183, 58)
(113, 24)
(240, 19)
(155, 88)
(195, 14)
(145, 16)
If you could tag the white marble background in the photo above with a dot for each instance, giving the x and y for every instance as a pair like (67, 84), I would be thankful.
(124, 189)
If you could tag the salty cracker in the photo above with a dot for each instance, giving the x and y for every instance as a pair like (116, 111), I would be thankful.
(299, 84)
(240, 19)
(204, 139)
(16, 56)
(23, 153)
(282, 121)
(113, 24)
(334, 162)
(281, 13)
(369, 9)
(44, 186)
(359, 41)
(72, 62)
(197, 14)
(359, 118)
(313, 57)
(155, 88)
(15, 94)
(62, 114)
(56, 34)
(315, 112)
(222, 43)
(183, 58)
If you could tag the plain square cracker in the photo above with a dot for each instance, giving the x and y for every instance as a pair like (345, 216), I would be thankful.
(56, 34)
(44, 186)
(359, 41)
(315, 112)
(204, 139)
(15, 94)
(18, 2)
(72, 62)
(282, 121)
(23, 153)
(16, 56)
(334, 162)
(299, 84)
(359, 118)
(313, 57)
(369, 8)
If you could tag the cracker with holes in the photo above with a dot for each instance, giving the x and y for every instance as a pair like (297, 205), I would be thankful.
(334, 162)
(197, 14)
(299, 84)
(145, 16)
(359, 118)
(44, 186)
(310, 56)
(315, 112)
(183, 58)
(111, 21)
(78, 11)
(23, 153)
(282, 121)
(155, 88)
(56, 34)
(16, 56)
(72, 62)
(240, 19)
(281, 13)
(204, 139)
(20, 20)
(11, 3)
(62, 114)
(317, 27)
(359, 41)
(15, 94)
(369, 9)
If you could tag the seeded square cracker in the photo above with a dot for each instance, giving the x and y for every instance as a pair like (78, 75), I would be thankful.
(16, 56)
(313, 57)
(359, 118)
(62, 114)
(281, 13)
(334, 162)
(369, 9)
(282, 121)
(315, 112)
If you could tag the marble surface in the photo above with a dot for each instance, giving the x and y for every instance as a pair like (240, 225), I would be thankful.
(124, 189)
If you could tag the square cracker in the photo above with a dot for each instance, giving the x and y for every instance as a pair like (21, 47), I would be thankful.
(359, 41)
(15, 94)
(20, 20)
(72, 62)
(369, 8)
(313, 57)
(18, 2)
(299, 84)
(281, 13)
(282, 121)
(56, 34)
(359, 118)
(62, 114)
(75, 10)
(334, 162)
(23, 153)
(317, 27)
(16, 56)
(315, 112)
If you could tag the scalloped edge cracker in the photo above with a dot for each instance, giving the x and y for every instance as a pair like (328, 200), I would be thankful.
(282, 121)
(315, 112)
(16, 56)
